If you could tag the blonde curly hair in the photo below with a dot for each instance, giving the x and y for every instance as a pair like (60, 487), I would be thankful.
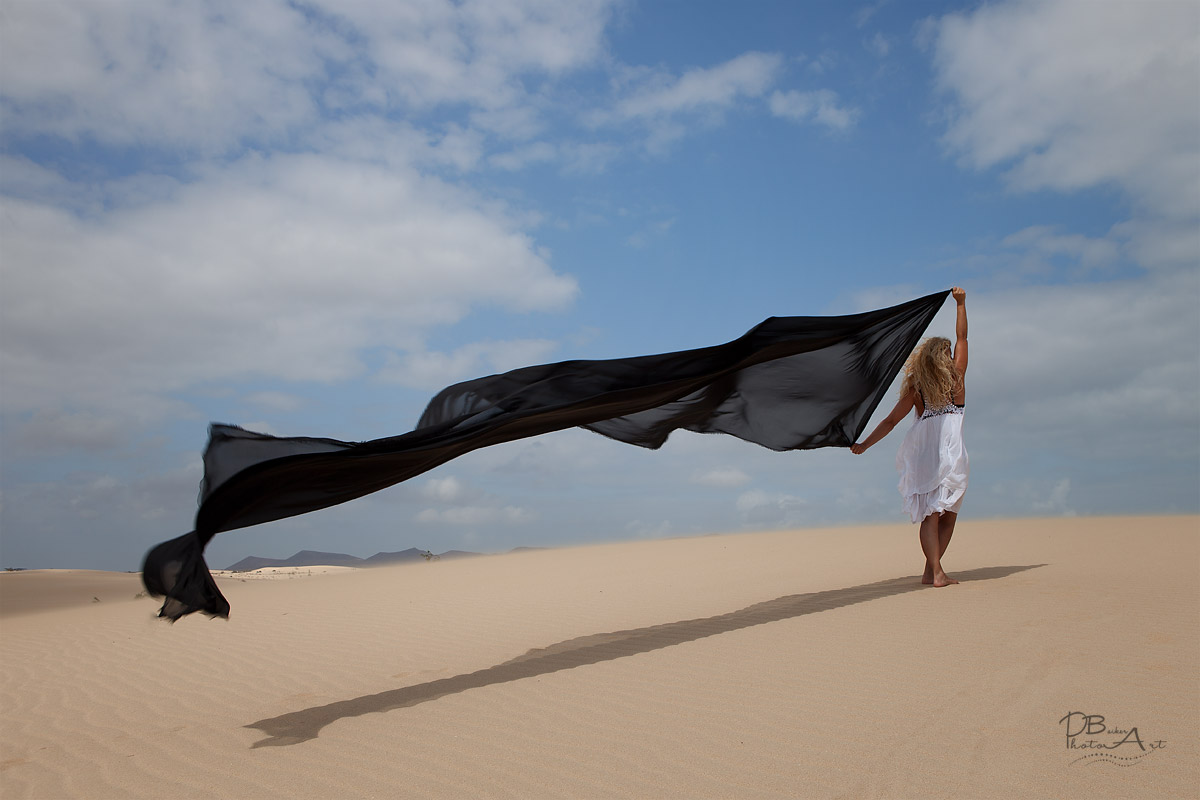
(930, 371)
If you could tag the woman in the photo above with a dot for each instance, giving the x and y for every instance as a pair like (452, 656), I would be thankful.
(932, 459)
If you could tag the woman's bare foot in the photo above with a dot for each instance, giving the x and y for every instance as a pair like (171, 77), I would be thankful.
(943, 580)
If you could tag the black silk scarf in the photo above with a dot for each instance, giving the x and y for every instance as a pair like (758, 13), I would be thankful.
(790, 383)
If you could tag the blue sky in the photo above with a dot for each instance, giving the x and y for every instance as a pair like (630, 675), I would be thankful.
(306, 218)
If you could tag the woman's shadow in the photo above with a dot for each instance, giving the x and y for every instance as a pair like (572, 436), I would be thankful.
(300, 726)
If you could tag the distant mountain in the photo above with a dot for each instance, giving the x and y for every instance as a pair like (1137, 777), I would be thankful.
(411, 554)
(305, 558)
(253, 562)
(313, 558)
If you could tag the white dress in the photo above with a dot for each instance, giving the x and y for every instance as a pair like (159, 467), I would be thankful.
(932, 462)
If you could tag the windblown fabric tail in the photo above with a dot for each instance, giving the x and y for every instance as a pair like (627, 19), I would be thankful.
(177, 571)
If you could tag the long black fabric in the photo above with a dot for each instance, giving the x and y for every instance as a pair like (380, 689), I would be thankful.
(790, 383)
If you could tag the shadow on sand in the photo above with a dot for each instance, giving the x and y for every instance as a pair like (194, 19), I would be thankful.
(300, 726)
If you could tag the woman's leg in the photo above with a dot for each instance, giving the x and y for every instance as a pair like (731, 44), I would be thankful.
(945, 530)
(933, 546)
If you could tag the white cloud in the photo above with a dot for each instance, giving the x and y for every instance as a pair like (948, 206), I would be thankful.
(1072, 94)
(864, 14)
(1090, 373)
(460, 504)
(702, 89)
(444, 52)
(445, 490)
(823, 62)
(588, 158)
(1056, 503)
(280, 267)
(649, 233)
(759, 507)
(143, 72)
(346, 78)
(1090, 252)
(1040, 248)
(819, 106)
(1161, 243)
(396, 144)
(434, 370)
(521, 157)
(1047, 498)
(879, 44)
(668, 105)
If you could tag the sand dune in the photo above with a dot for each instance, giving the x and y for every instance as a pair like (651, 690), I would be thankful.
(32, 591)
(788, 664)
(278, 573)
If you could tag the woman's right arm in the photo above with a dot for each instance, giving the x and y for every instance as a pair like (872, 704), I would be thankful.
(904, 405)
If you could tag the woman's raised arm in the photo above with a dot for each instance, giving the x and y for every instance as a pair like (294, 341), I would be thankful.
(960, 330)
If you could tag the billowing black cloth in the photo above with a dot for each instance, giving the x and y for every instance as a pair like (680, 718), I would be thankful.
(790, 383)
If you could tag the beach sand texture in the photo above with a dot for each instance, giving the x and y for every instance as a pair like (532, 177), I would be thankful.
(795, 664)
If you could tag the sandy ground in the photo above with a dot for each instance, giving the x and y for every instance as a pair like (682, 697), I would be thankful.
(791, 664)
